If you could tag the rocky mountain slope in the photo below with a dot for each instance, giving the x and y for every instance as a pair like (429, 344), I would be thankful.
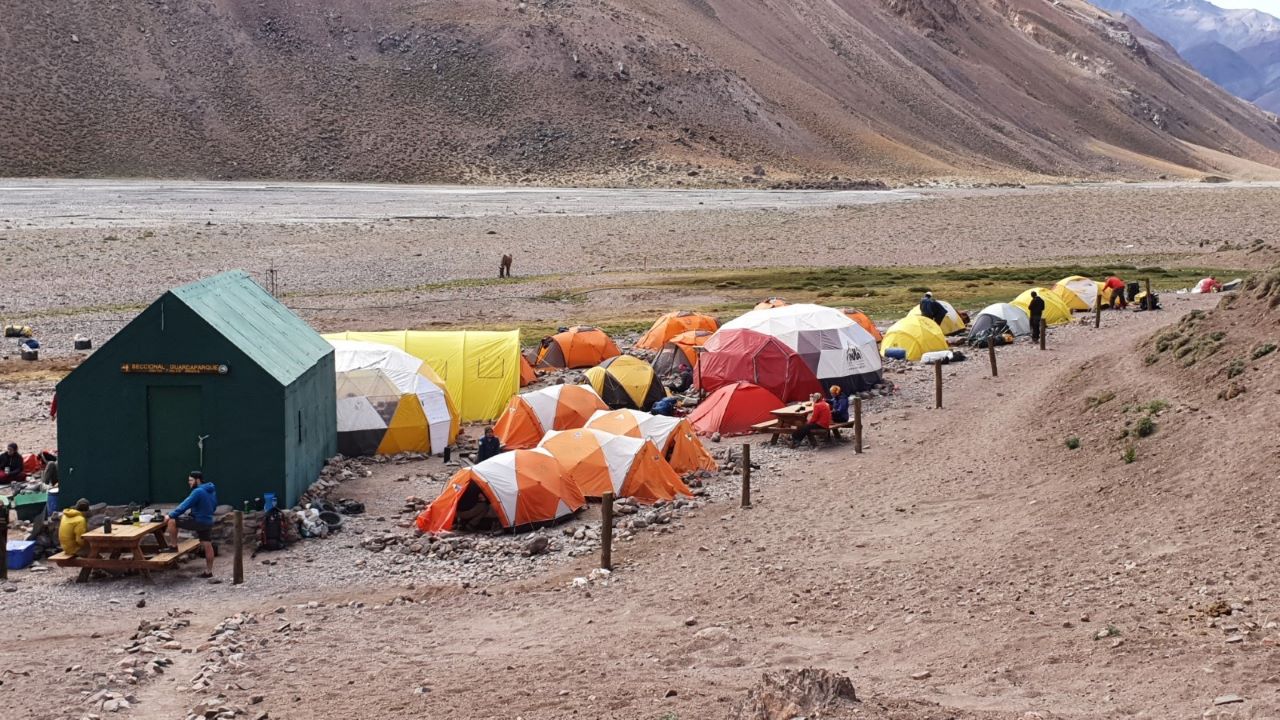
(1237, 48)
(609, 91)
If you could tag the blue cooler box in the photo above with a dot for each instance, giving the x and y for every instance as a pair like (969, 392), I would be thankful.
(21, 554)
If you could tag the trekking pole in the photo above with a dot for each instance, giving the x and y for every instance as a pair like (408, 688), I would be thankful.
(606, 531)
(746, 475)
(857, 425)
(991, 353)
(1044, 330)
(937, 385)
(237, 565)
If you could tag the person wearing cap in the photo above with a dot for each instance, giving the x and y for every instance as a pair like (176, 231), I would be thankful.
(71, 530)
(489, 446)
(839, 403)
(11, 466)
(201, 504)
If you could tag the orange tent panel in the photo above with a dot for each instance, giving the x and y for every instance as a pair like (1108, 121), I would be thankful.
(672, 324)
(577, 347)
(527, 375)
(861, 318)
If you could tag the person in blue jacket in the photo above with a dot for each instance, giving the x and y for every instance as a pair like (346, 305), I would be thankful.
(839, 403)
(200, 505)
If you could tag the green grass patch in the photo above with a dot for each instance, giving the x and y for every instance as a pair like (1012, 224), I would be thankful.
(1263, 350)
(1129, 455)
(1146, 426)
(1073, 443)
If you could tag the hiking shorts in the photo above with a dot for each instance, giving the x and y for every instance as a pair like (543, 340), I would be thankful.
(204, 533)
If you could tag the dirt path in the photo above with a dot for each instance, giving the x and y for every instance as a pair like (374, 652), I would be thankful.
(955, 546)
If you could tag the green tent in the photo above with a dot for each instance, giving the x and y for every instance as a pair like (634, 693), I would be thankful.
(216, 376)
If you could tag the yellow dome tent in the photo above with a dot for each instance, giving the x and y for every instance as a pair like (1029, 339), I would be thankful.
(626, 382)
(1056, 312)
(916, 335)
(1077, 292)
(480, 369)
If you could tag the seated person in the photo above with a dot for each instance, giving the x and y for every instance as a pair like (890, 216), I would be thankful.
(474, 512)
(839, 405)
(819, 418)
(489, 446)
(75, 521)
(11, 465)
(681, 379)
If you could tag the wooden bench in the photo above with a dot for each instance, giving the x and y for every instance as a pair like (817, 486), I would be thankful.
(831, 435)
(160, 561)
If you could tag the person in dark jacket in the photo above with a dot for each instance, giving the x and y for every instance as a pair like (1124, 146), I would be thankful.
(839, 403)
(1035, 309)
(11, 466)
(489, 446)
(200, 505)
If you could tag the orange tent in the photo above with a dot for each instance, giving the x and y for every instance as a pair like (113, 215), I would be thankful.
(682, 348)
(523, 487)
(673, 436)
(673, 324)
(861, 318)
(578, 347)
(531, 415)
(527, 375)
(733, 409)
(773, 302)
(601, 462)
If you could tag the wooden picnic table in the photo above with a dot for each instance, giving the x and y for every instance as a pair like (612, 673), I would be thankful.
(107, 551)
(789, 418)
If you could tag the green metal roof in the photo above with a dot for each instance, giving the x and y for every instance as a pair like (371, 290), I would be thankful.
(280, 342)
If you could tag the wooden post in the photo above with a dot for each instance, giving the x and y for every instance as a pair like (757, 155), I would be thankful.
(991, 353)
(1044, 330)
(937, 385)
(746, 475)
(237, 567)
(857, 425)
(1097, 311)
(4, 535)
(606, 531)
(1148, 287)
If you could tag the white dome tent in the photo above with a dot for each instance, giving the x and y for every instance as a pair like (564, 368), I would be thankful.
(838, 350)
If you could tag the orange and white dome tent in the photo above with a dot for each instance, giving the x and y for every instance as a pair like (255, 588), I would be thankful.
(601, 462)
(673, 436)
(524, 487)
(531, 415)
(673, 324)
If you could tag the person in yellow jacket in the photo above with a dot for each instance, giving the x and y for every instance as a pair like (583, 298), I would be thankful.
(75, 521)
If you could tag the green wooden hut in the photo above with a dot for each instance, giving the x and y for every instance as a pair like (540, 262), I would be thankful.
(216, 376)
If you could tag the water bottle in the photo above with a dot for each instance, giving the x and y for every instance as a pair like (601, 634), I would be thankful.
(137, 518)
(106, 527)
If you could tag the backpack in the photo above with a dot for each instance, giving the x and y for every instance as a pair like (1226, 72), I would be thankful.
(271, 532)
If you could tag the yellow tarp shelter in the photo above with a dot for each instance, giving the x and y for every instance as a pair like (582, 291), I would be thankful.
(481, 369)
